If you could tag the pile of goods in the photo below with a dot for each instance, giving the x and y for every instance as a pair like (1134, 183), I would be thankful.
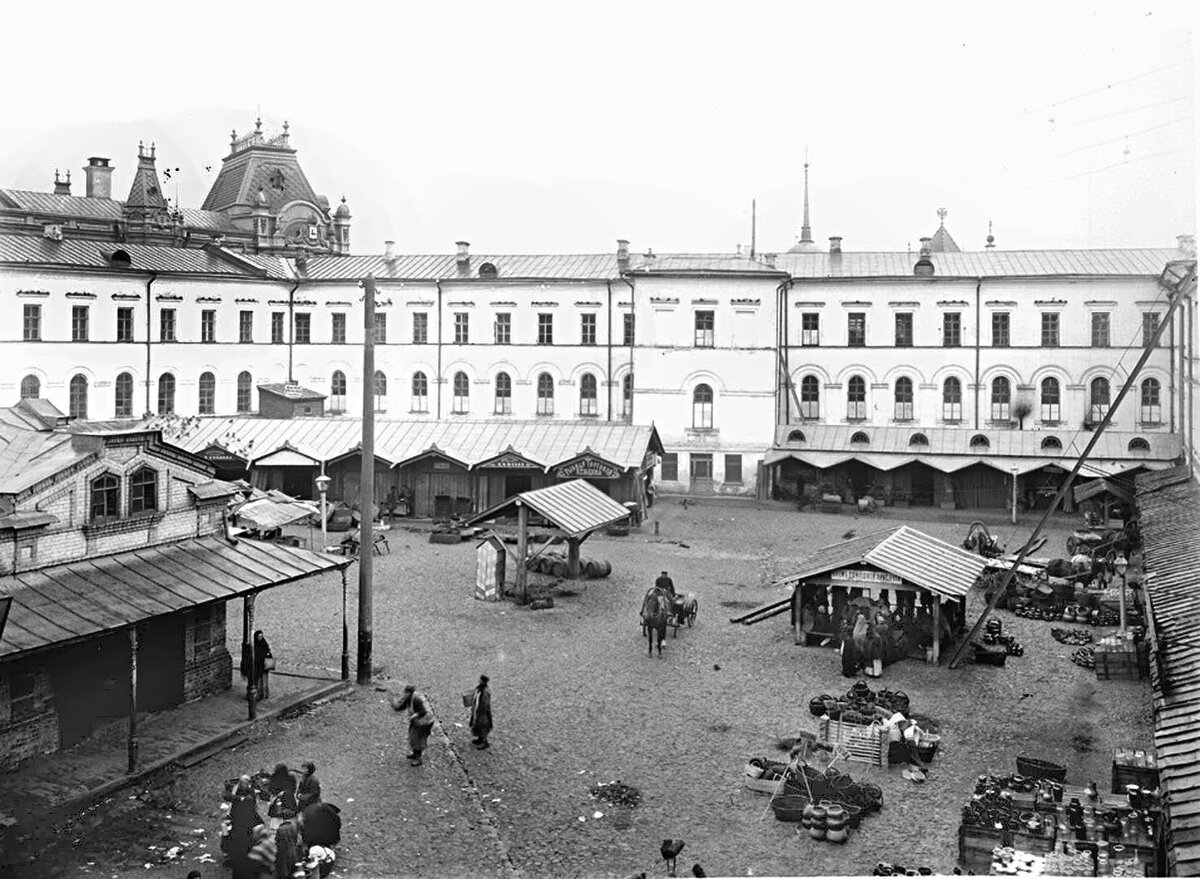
(992, 636)
(1100, 616)
(617, 794)
(1072, 637)
(994, 807)
(1084, 657)
(806, 788)
(860, 704)
(885, 869)
(828, 822)
(1035, 612)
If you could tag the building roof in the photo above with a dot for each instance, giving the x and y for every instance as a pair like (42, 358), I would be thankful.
(27, 457)
(1104, 485)
(79, 253)
(1110, 262)
(68, 602)
(576, 508)
(267, 513)
(326, 438)
(703, 264)
(111, 209)
(942, 242)
(292, 392)
(579, 267)
(909, 554)
(1169, 504)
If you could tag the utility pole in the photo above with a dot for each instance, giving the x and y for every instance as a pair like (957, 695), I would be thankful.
(366, 496)
(753, 226)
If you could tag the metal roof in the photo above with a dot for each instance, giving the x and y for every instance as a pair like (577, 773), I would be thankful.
(50, 204)
(26, 249)
(910, 554)
(71, 601)
(27, 457)
(684, 263)
(267, 513)
(292, 392)
(1169, 504)
(577, 267)
(1109, 262)
(577, 507)
(30, 519)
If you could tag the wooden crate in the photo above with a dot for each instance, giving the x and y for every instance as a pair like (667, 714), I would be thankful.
(864, 744)
(975, 846)
(1143, 776)
(1122, 665)
(1034, 844)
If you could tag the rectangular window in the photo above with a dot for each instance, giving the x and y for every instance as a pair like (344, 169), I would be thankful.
(277, 327)
(208, 325)
(904, 330)
(462, 328)
(166, 325)
(1050, 329)
(380, 328)
(952, 329)
(503, 328)
(856, 329)
(810, 329)
(701, 466)
(33, 323)
(245, 326)
(670, 467)
(338, 330)
(1000, 337)
(124, 324)
(420, 328)
(705, 329)
(79, 323)
(545, 329)
(733, 469)
(303, 328)
(627, 329)
(1150, 321)
(587, 329)
(1101, 329)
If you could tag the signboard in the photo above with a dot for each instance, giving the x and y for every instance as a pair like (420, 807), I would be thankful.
(510, 461)
(217, 455)
(587, 467)
(858, 575)
(648, 460)
(441, 465)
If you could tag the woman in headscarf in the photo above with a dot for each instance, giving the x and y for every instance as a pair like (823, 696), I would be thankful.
(259, 670)
(850, 655)
(420, 721)
(283, 793)
(289, 850)
(481, 714)
(243, 818)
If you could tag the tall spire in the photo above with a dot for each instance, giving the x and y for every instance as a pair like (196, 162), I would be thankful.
(805, 228)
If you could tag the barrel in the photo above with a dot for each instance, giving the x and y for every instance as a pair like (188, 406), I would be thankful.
(591, 568)
(558, 568)
(605, 567)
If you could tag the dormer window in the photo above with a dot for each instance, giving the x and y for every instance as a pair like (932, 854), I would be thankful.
(488, 270)
(980, 443)
(276, 180)
(106, 497)
(918, 439)
(1052, 442)
(796, 436)
(860, 439)
(143, 491)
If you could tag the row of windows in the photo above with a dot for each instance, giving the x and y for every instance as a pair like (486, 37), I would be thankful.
(1099, 399)
(700, 468)
(856, 329)
(78, 391)
(502, 401)
(302, 329)
(979, 442)
(106, 494)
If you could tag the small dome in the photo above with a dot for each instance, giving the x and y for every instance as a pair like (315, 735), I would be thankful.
(343, 212)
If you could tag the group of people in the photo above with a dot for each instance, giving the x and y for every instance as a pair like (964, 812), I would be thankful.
(420, 718)
(873, 634)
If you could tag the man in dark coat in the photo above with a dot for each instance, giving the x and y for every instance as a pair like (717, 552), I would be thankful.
(308, 789)
(666, 584)
(481, 714)
(420, 722)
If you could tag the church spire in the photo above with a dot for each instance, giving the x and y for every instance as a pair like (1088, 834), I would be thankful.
(805, 228)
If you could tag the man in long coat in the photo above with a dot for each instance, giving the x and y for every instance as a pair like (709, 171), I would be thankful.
(481, 714)
(420, 722)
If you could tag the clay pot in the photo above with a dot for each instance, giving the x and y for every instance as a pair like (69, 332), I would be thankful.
(837, 835)
(816, 706)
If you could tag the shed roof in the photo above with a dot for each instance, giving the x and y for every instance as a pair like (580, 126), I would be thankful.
(577, 507)
(910, 554)
(75, 600)
(268, 512)
(1095, 487)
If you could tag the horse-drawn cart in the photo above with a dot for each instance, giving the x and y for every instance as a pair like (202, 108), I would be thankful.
(661, 610)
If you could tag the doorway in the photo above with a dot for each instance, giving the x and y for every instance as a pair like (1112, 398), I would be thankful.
(922, 485)
(515, 483)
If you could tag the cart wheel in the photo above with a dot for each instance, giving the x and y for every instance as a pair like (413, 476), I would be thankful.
(1071, 545)
(691, 620)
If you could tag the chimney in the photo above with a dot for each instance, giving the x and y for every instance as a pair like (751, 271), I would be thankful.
(622, 252)
(650, 257)
(924, 267)
(389, 250)
(62, 187)
(739, 250)
(769, 259)
(835, 244)
(98, 179)
(1187, 244)
(464, 256)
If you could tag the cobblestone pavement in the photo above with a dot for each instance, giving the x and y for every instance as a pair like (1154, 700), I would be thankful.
(578, 702)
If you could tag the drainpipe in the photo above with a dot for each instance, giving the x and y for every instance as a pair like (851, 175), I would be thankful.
(1171, 363)
(632, 336)
(978, 321)
(149, 310)
(439, 350)
(292, 327)
(610, 344)
(783, 336)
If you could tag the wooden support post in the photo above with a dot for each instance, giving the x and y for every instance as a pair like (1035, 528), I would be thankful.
(133, 687)
(937, 628)
(572, 558)
(522, 552)
(248, 650)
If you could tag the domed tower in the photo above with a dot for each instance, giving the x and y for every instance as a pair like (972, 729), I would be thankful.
(341, 227)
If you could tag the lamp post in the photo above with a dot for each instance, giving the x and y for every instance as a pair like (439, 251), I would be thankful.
(1014, 496)
(1122, 564)
(323, 487)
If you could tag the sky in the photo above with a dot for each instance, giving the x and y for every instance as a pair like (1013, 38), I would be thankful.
(554, 127)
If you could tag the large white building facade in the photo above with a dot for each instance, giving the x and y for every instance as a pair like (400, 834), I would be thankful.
(921, 377)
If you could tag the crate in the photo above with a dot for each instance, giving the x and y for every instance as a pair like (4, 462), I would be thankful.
(864, 744)
(975, 846)
(1125, 772)
(1123, 665)
(1032, 843)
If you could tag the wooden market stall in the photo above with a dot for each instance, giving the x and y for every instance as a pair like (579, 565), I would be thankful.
(905, 571)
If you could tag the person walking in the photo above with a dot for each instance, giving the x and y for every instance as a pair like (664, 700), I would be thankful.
(258, 671)
(420, 722)
(481, 714)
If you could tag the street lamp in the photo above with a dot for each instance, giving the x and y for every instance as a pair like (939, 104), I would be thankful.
(1121, 565)
(323, 487)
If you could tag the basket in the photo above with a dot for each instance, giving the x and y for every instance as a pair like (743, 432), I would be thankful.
(468, 699)
(1032, 767)
(789, 807)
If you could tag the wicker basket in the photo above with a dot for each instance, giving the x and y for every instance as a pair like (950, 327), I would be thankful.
(1032, 767)
(789, 807)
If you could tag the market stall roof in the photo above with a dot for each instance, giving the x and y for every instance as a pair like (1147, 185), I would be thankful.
(577, 507)
(1169, 506)
(1100, 486)
(909, 554)
(264, 514)
(72, 601)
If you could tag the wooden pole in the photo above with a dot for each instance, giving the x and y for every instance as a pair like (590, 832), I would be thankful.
(345, 633)
(572, 558)
(248, 650)
(366, 495)
(937, 628)
(522, 552)
(133, 686)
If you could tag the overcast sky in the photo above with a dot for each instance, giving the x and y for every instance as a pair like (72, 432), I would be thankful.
(560, 127)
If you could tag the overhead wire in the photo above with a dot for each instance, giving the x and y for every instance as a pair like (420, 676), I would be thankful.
(1099, 90)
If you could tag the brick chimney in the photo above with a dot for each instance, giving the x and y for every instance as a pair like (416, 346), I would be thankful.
(1187, 244)
(389, 250)
(769, 259)
(464, 255)
(98, 178)
(62, 187)
(622, 254)
(835, 243)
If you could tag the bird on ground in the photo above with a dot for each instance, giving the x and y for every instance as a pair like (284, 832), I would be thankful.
(697, 870)
(670, 851)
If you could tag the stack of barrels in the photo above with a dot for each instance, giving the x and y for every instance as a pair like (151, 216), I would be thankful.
(556, 566)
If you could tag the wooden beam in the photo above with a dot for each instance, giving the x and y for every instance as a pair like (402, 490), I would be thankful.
(937, 629)
(248, 650)
(522, 550)
(133, 687)
(572, 558)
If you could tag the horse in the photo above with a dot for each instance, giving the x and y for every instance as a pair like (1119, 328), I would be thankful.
(656, 610)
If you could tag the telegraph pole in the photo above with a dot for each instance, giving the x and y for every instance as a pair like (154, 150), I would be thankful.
(366, 496)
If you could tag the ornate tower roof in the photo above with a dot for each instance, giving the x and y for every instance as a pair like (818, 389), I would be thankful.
(256, 162)
(145, 194)
(941, 242)
(806, 243)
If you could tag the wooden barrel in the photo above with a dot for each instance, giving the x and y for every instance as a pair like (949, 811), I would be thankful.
(605, 567)
(544, 563)
(558, 568)
(591, 568)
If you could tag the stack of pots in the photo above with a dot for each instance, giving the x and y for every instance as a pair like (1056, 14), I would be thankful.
(814, 820)
(836, 820)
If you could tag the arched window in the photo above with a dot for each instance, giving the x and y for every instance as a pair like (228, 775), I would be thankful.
(1151, 401)
(856, 399)
(1137, 444)
(337, 392)
(860, 439)
(31, 387)
(918, 439)
(123, 396)
(106, 497)
(1099, 398)
(545, 394)
(462, 393)
(980, 443)
(380, 391)
(143, 491)
(952, 400)
(796, 436)
(244, 384)
(1052, 442)
(488, 270)
(166, 394)
(904, 399)
(702, 407)
(78, 397)
(208, 393)
(1051, 400)
(503, 394)
(420, 392)
(589, 405)
(1001, 399)
(810, 397)
(627, 396)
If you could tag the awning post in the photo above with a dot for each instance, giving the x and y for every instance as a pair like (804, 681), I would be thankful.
(522, 551)
(573, 558)
(248, 651)
(937, 628)
(133, 668)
